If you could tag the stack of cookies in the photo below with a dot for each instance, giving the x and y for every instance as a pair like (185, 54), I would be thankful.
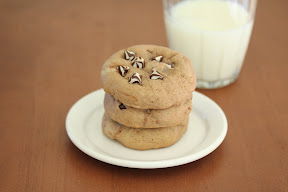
(148, 96)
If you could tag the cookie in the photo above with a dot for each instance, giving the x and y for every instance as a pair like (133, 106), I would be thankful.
(146, 118)
(143, 139)
(148, 77)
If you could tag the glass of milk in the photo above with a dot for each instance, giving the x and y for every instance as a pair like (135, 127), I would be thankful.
(213, 34)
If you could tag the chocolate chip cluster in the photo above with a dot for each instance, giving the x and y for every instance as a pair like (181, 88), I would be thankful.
(139, 62)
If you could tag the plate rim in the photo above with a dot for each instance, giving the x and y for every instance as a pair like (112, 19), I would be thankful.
(148, 164)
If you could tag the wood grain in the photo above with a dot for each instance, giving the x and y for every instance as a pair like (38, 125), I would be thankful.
(51, 54)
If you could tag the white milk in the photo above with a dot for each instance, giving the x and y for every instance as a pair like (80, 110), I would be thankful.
(213, 34)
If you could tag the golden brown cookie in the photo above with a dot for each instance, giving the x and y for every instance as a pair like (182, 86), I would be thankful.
(143, 139)
(148, 77)
(146, 118)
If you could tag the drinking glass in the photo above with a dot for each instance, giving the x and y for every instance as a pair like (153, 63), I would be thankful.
(213, 34)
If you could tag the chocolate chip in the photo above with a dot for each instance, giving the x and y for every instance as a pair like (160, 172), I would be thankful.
(158, 58)
(138, 62)
(123, 70)
(122, 106)
(135, 78)
(129, 55)
(155, 75)
(170, 65)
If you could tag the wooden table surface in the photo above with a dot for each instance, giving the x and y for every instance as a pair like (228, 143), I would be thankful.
(51, 52)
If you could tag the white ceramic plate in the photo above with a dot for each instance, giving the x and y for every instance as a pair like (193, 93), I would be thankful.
(206, 130)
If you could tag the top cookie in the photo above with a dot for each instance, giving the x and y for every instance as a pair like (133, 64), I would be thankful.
(148, 77)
